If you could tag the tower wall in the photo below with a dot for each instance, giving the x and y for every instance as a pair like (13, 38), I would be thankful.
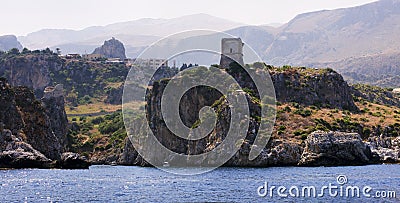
(231, 50)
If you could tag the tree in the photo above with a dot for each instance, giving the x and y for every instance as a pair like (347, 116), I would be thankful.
(14, 51)
(26, 51)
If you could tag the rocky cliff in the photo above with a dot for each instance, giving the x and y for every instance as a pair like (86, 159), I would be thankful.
(319, 87)
(111, 49)
(33, 132)
(8, 42)
(30, 70)
(306, 87)
(336, 149)
(15, 153)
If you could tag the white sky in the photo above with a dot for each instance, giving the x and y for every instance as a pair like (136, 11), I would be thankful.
(21, 17)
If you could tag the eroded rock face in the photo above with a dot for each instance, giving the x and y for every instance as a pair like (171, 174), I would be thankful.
(70, 160)
(130, 156)
(39, 128)
(53, 104)
(15, 153)
(335, 149)
(32, 71)
(37, 124)
(388, 148)
(277, 153)
(111, 49)
(327, 88)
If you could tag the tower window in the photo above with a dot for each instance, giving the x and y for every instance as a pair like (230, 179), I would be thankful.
(231, 50)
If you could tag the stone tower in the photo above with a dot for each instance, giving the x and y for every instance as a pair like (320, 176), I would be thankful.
(231, 50)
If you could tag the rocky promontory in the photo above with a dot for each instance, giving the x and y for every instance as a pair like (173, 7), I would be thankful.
(336, 149)
(341, 142)
(112, 48)
(33, 132)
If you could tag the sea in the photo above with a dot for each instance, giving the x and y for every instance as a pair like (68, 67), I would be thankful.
(372, 183)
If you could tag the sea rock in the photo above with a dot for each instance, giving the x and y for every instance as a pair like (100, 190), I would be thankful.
(15, 153)
(130, 157)
(277, 153)
(70, 160)
(335, 149)
(387, 148)
(111, 49)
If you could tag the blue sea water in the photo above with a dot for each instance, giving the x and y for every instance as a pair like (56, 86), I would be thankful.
(137, 184)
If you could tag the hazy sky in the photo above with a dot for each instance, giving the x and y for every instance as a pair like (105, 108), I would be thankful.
(20, 17)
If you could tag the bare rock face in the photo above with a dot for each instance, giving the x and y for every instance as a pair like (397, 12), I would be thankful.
(326, 88)
(8, 42)
(336, 149)
(32, 71)
(53, 103)
(15, 153)
(278, 153)
(112, 48)
(130, 156)
(388, 148)
(40, 124)
(37, 124)
(71, 160)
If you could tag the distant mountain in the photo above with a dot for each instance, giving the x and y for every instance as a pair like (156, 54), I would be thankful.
(333, 35)
(381, 70)
(133, 33)
(8, 42)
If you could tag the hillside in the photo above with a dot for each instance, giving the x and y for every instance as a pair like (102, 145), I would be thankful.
(380, 70)
(332, 35)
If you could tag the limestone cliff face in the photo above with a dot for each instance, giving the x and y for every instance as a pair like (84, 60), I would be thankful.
(15, 153)
(325, 88)
(386, 143)
(8, 42)
(53, 103)
(112, 48)
(32, 71)
(335, 149)
(29, 120)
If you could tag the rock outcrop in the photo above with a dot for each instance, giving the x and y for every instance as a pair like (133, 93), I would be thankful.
(336, 149)
(36, 124)
(53, 103)
(324, 87)
(70, 160)
(33, 133)
(8, 42)
(15, 153)
(388, 148)
(112, 48)
(31, 70)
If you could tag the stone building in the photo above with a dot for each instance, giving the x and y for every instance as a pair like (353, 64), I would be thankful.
(231, 50)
